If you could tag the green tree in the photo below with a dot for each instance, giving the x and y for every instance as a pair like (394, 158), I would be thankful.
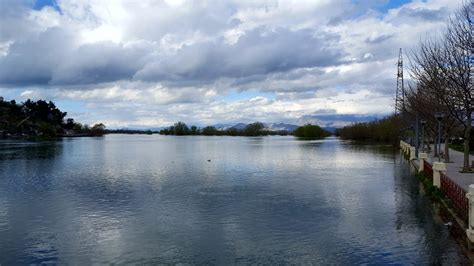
(233, 132)
(165, 131)
(383, 130)
(98, 129)
(180, 129)
(209, 131)
(35, 118)
(254, 129)
(311, 132)
(77, 128)
(69, 124)
(194, 130)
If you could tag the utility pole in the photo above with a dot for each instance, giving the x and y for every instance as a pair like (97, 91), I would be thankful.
(400, 93)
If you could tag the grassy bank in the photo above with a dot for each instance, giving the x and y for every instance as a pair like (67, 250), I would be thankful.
(459, 148)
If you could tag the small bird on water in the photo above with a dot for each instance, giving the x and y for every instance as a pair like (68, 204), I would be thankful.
(209, 160)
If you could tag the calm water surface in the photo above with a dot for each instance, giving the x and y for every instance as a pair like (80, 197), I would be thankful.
(147, 199)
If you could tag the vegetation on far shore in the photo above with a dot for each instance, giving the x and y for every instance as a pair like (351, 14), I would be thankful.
(40, 119)
(130, 131)
(43, 120)
(309, 131)
(383, 130)
(251, 130)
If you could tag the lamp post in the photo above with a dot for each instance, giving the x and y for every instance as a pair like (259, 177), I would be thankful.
(417, 136)
(439, 116)
(423, 123)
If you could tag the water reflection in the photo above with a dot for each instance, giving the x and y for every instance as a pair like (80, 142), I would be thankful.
(217, 200)
(16, 149)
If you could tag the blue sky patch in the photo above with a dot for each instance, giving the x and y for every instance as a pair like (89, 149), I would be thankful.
(392, 4)
(70, 106)
(384, 6)
(40, 4)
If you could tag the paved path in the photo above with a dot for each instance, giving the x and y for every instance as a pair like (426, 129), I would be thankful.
(453, 168)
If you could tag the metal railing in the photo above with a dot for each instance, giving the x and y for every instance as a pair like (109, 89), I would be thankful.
(457, 195)
(428, 169)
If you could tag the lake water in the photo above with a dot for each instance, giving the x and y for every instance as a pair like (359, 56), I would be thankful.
(214, 200)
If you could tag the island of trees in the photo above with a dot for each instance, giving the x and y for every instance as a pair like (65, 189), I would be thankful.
(309, 131)
(40, 119)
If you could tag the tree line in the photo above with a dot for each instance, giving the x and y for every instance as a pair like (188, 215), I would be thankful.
(252, 130)
(310, 131)
(40, 119)
(383, 130)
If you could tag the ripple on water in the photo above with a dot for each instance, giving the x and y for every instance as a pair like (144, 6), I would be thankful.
(154, 199)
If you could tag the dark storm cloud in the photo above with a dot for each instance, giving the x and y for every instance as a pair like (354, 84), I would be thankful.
(423, 13)
(38, 55)
(248, 79)
(31, 62)
(259, 51)
(100, 62)
(51, 58)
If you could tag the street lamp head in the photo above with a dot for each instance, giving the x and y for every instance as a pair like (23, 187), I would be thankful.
(439, 116)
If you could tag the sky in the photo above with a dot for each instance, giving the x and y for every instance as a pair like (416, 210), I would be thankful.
(146, 64)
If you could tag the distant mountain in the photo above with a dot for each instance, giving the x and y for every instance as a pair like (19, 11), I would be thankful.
(140, 128)
(239, 126)
(281, 127)
(268, 126)
(329, 121)
(330, 129)
(222, 126)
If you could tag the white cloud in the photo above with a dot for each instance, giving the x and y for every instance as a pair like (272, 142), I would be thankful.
(154, 62)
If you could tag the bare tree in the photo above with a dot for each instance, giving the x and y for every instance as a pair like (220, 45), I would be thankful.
(422, 101)
(457, 68)
(444, 69)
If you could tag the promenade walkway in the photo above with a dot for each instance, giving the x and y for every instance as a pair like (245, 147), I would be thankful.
(454, 167)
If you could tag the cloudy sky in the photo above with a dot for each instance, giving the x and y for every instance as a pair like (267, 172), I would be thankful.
(147, 63)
